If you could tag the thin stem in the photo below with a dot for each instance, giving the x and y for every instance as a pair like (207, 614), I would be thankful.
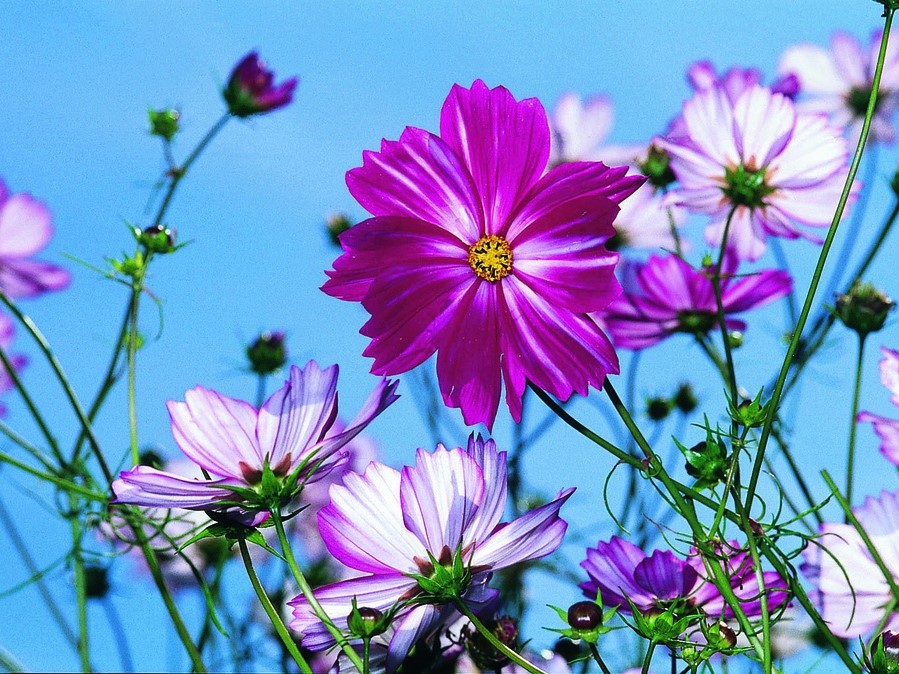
(647, 660)
(853, 425)
(27, 446)
(598, 658)
(70, 487)
(271, 612)
(260, 391)
(80, 582)
(774, 402)
(121, 638)
(719, 305)
(131, 354)
(496, 643)
(306, 590)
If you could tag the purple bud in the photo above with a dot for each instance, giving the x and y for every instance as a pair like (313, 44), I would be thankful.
(251, 89)
(584, 615)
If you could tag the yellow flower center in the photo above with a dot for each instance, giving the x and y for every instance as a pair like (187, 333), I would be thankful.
(491, 258)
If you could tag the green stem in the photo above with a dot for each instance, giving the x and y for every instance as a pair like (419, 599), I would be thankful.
(68, 486)
(731, 378)
(131, 354)
(774, 402)
(594, 651)
(271, 612)
(306, 590)
(496, 643)
(366, 655)
(28, 447)
(80, 579)
(647, 660)
(853, 425)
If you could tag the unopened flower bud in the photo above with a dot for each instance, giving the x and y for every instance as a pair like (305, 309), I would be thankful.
(337, 224)
(883, 656)
(735, 339)
(483, 653)
(251, 89)
(366, 621)
(164, 123)
(151, 458)
(158, 239)
(96, 582)
(720, 636)
(584, 615)
(684, 399)
(267, 353)
(658, 408)
(864, 308)
(657, 167)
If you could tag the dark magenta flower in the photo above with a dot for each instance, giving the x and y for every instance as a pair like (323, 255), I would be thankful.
(404, 529)
(475, 254)
(666, 295)
(25, 229)
(251, 89)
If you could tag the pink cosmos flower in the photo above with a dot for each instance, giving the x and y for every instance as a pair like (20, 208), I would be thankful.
(839, 82)
(394, 525)
(666, 295)
(852, 592)
(621, 571)
(235, 443)
(579, 129)
(25, 229)
(756, 156)
(645, 222)
(251, 89)
(887, 429)
(702, 76)
(474, 255)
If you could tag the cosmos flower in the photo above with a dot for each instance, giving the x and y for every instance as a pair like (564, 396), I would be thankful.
(474, 255)
(851, 591)
(236, 444)
(579, 129)
(702, 76)
(887, 429)
(25, 229)
(403, 529)
(621, 571)
(839, 82)
(756, 156)
(251, 89)
(645, 221)
(18, 361)
(666, 295)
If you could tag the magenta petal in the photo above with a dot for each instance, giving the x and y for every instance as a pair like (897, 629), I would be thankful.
(29, 278)
(533, 535)
(440, 496)
(610, 567)
(503, 142)
(756, 290)
(382, 397)
(419, 177)
(665, 576)
(25, 226)
(145, 486)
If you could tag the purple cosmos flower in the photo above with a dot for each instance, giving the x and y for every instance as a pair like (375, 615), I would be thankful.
(251, 89)
(25, 229)
(666, 295)
(235, 443)
(579, 129)
(392, 526)
(757, 157)
(839, 82)
(621, 571)
(474, 255)
(851, 590)
(887, 429)
(702, 77)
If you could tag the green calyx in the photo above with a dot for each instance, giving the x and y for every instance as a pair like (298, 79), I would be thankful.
(745, 187)
(696, 322)
(442, 580)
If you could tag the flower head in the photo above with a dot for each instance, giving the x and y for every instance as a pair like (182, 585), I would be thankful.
(852, 592)
(25, 229)
(839, 82)
(757, 158)
(579, 129)
(241, 448)
(887, 429)
(426, 535)
(666, 295)
(702, 77)
(475, 254)
(251, 89)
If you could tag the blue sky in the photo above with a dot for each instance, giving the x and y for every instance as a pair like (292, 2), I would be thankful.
(78, 79)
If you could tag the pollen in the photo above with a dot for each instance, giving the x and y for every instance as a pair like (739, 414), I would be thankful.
(491, 258)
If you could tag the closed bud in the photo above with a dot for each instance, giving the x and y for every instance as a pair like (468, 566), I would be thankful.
(657, 167)
(337, 224)
(483, 653)
(684, 399)
(158, 239)
(367, 622)
(164, 123)
(864, 308)
(585, 615)
(151, 458)
(96, 582)
(658, 408)
(251, 89)
(883, 656)
(267, 353)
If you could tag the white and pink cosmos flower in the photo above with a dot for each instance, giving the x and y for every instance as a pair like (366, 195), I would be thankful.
(234, 443)
(839, 82)
(774, 167)
(887, 429)
(392, 526)
(580, 129)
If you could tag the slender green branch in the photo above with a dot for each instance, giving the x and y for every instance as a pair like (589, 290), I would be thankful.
(67, 485)
(27, 446)
(719, 307)
(594, 651)
(853, 425)
(496, 643)
(80, 580)
(647, 660)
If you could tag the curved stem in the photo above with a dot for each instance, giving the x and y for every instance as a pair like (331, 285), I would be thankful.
(594, 651)
(496, 643)
(719, 305)
(271, 612)
(121, 638)
(853, 425)
(66, 485)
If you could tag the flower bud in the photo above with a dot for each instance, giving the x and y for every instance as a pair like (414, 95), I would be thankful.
(863, 309)
(735, 339)
(251, 89)
(164, 123)
(158, 239)
(151, 458)
(267, 353)
(337, 224)
(657, 167)
(883, 656)
(482, 652)
(96, 582)
(658, 408)
(584, 615)
(367, 622)
(684, 399)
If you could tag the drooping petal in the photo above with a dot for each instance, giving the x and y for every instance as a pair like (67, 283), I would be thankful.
(29, 278)
(145, 486)
(504, 143)
(216, 432)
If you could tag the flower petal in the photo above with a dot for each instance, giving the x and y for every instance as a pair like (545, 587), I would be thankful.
(145, 486)
(24, 226)
(28, 278)
(493, 501)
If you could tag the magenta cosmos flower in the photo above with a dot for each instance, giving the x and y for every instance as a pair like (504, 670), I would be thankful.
(251, 89)
(389, 525)
(758, 157)
(839, 82)
(474, 255)
(235, 443)
(25, 230)
(851, 590)
(621, 571)
(666, 295)
(887, 429)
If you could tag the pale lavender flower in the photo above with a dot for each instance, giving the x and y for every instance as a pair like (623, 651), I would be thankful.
(395, 525)
(852, 592)
(645, 221)
(236, 444)
(758, 157)
(25, 230)
(702, 76)
(839, 82)
(580, 129)
(887, 429)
